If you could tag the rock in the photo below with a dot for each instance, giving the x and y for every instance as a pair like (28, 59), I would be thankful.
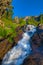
(40, 26)
(32, 60)
(27, 17)
(36, 39)
(36, 57)
(40, 31)
(4, 47)
(41, 36)
(17, 29)
(19, 36)
(20, 28)
(38, 36)
(16, 20)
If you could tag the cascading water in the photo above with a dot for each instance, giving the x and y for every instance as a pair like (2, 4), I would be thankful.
(19, 52)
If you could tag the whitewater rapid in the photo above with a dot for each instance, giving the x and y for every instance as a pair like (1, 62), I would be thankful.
(23, 49)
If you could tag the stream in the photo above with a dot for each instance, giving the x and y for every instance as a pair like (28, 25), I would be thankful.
(22, 50)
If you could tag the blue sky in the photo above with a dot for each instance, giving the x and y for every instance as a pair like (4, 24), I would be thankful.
(24, 8)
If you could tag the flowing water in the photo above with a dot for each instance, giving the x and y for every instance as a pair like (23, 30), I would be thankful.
(22, 50)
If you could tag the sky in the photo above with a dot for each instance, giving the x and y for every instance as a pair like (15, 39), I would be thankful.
(24, 8)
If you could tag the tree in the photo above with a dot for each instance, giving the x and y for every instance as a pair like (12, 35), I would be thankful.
(33, 21)
(22, 22)
(5, 8)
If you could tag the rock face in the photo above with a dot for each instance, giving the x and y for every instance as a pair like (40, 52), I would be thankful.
(19, 36)
(40, 31)
(38, 37)
(41, 26)
(16, 20)
(36, 40)
(4, 47)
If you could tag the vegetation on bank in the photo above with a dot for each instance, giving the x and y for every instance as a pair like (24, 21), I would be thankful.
(9, 26)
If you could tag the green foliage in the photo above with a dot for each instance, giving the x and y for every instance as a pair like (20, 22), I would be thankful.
(41, 18)
(22, 22)
(9, 28)
(5, 9)
(33, 22)
(2, 32)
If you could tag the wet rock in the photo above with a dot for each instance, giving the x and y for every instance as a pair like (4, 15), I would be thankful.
(36, 59)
